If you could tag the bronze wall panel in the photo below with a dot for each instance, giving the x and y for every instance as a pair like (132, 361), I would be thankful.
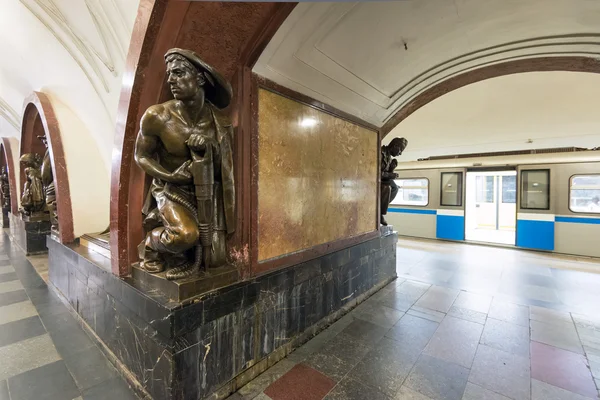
(317, 177)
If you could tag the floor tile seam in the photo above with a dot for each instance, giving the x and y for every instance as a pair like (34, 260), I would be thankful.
(585, 354)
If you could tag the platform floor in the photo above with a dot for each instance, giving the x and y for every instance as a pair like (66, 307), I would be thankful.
(461, 322)
(44, 353)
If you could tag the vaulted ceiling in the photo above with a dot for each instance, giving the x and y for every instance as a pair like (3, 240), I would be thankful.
(369, 59)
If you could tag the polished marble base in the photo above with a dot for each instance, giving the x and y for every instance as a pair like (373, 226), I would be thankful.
(29, 235)
(4, 221)
(183, 289)
(214, 343)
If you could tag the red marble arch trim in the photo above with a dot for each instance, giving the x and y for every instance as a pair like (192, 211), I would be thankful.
(12, 180)
(538, 64)
(38, 106)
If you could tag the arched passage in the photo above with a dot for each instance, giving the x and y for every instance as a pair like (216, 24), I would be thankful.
(39, 119)
(6, 152)
(542, 64)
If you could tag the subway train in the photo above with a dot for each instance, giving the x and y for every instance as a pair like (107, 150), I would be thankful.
(546, 200)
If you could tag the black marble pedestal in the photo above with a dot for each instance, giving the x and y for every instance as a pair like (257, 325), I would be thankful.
(214, 343)
(30, 236)
(4, 221)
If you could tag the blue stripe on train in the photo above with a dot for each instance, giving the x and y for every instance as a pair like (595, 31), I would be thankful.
(535, 234)
(450, 227)
(411, 211)
(578, 220)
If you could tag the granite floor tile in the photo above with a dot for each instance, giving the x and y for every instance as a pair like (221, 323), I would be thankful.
(561, 368)
(381, 315)
(16, 296)
(397, 300)
(6, 269)
(57, 322)
(413, 332)
(261, 382)
(409, 394)
(10, 286)
(505, 336)
(547, 315)
(70, 341)
(476, 392)
(501, 372)
(89, 368)
(49, 382)
(365, 331)
(467, 315)
(300, 383)
(26, 354)
(455, 341)
(385, 367)
(473, 301)
(339, 356)
(349, 389)
(16, 311)
(8, 276)
(426, 313)
(412, 289)
(543, 391)
(4, 390)
(21, 329)
(438, 379)
(114, 389)
(561, 335)
(513, 313)
(438, 298)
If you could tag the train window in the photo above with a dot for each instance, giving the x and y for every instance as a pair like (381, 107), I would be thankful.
(509, 189)
(452, 183)
(535, 189)
(412, 192)
(584, 194)
(484, 186)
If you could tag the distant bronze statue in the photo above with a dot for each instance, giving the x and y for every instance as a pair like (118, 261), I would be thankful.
(389, 189)
(185, 144)
(5, 189)
(32, 199)
(48, 185)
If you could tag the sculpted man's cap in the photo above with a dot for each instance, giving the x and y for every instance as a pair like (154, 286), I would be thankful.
(217, 90)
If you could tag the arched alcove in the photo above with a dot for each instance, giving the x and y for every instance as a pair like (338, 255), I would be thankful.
(39, 119)
(233, 51)
(6, 153)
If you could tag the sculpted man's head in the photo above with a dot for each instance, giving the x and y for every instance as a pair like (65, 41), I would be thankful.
(189, 76)
(30, 160)
(397, 146)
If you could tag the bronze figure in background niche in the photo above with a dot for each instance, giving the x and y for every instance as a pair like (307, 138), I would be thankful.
(5, 189)
(48, 185)
(185, 144)
(389, 189)
(33, 204)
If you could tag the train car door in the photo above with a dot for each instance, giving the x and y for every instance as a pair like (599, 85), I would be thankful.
(490, 212)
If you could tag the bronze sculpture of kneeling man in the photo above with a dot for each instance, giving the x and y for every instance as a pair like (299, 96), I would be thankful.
(185, 144)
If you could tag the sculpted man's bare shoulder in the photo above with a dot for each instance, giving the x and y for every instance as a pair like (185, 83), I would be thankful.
(155, 116)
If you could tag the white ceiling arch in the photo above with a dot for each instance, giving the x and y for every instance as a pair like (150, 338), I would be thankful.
(370, 59)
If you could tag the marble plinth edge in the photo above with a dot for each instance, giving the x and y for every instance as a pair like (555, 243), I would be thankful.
(184, 289)
(29, 236)
(212, 345)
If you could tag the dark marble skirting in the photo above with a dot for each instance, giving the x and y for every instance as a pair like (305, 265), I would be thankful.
(30, 236)
(213, 344)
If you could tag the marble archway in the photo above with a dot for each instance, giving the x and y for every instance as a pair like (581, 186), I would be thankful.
(39, 119)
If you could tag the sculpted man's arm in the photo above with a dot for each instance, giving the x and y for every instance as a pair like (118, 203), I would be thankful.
(146, 146)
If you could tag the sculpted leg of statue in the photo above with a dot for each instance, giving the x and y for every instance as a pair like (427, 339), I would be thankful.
(185, 145)
(386, 191)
